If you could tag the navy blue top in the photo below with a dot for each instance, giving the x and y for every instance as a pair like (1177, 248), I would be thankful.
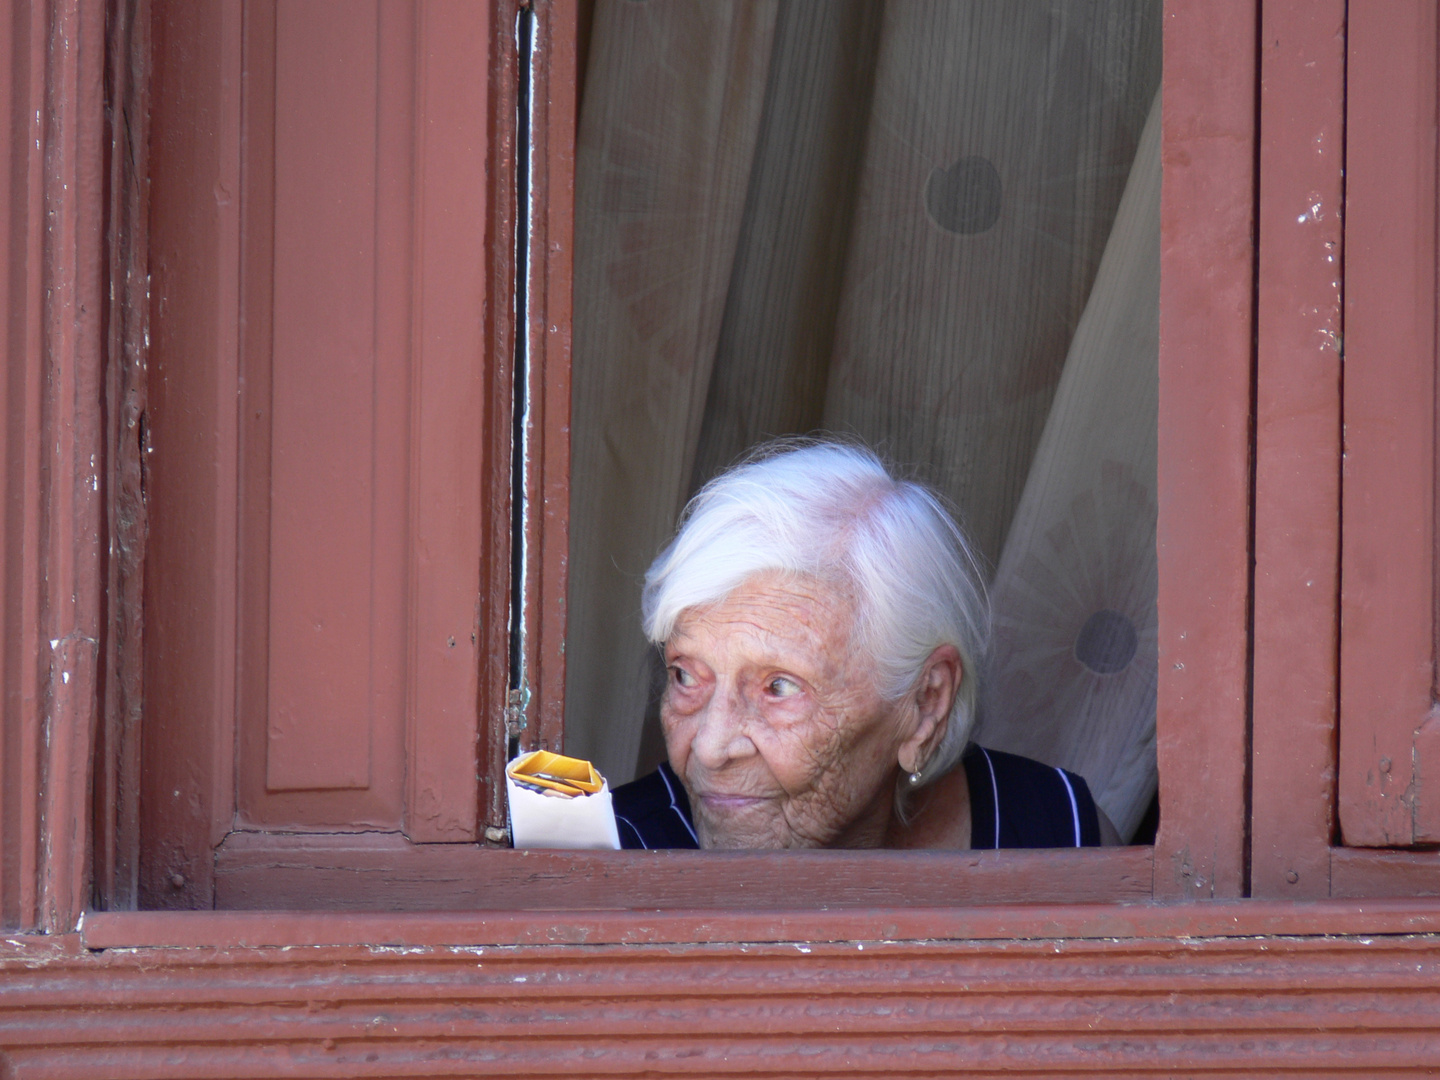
(1014, 803)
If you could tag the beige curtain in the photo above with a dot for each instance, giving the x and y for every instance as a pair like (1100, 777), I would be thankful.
(879, 218)
(667, 136)
(1073, 665)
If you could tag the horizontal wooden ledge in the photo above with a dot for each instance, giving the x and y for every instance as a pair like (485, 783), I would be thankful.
(1083, 1052)
(1148, 921)
(1171, 1004)
(359, 872)
(1363, 873)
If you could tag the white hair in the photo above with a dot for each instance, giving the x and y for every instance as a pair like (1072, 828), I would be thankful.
(833, 510)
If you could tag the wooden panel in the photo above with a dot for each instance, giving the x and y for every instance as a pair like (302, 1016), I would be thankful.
(52, 200)
(1369, 872)
(70, 553)
(1388, 620)
(255, 871)
(24, 654)
(116, 754)
(186, 800)
(330, 388)
(442, 793)
(277, 929)
(925, 1001)
(319, 237)
(363, 470)
(333, 560)
(1206, 290)
(1297, 436)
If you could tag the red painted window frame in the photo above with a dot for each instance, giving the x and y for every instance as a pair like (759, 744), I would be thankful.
(1233, 986)
(1219, 341)
(1209, 133)
(1389, 752)
(1344, 489)
(1204, 538)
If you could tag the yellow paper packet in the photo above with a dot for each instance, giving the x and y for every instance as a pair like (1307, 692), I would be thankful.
(582, 816)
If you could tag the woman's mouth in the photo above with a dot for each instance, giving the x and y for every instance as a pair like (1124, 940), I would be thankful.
(728, 801)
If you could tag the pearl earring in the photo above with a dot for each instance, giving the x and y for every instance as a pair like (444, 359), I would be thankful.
(914, 779)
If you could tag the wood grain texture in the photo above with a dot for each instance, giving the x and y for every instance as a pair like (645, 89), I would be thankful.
(449, 374)
(793, 1007)
(1387, 605)
(1297, 448)
(1075, 922)
(1071, 674)
(71, 551)
(192, 445)
(116, 798)
(24, 653)
(258, 871)
(1207, 217)
(1372, 872)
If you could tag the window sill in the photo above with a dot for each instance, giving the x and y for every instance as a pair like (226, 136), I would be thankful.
(1127, 921)
(384, 872)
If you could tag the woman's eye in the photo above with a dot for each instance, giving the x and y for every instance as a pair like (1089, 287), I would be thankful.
(782, 687)
(682, 677)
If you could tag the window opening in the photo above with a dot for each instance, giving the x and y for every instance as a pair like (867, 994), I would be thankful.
(893, 223)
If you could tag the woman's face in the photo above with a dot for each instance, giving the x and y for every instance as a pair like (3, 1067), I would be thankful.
(773, 721)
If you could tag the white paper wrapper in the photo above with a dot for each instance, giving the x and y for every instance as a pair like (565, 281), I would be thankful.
(540, 821)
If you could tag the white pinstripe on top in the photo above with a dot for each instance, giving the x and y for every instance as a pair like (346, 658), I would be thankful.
(1074, 809)
(674, 806)
(995, 794)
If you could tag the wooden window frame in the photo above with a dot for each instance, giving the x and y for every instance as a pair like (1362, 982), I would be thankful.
(1199, 852)
(1203, 537)
(1213, 321)
(1232, 986)
(1307, 674)
(448, 332)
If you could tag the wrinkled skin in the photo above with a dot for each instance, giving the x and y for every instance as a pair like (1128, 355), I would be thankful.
(773, 721)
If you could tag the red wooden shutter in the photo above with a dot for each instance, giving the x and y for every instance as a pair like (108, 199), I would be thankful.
(320, 389)
(1389, 730)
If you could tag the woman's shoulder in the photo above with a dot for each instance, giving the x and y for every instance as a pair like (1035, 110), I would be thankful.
(654, 812)
(1016, 802)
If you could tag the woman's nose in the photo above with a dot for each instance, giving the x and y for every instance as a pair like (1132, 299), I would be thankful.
(720, 736)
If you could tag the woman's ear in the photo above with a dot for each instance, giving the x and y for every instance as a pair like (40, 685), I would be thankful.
(934, 695)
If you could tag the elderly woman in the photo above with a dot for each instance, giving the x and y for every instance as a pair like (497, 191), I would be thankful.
(822, 624)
